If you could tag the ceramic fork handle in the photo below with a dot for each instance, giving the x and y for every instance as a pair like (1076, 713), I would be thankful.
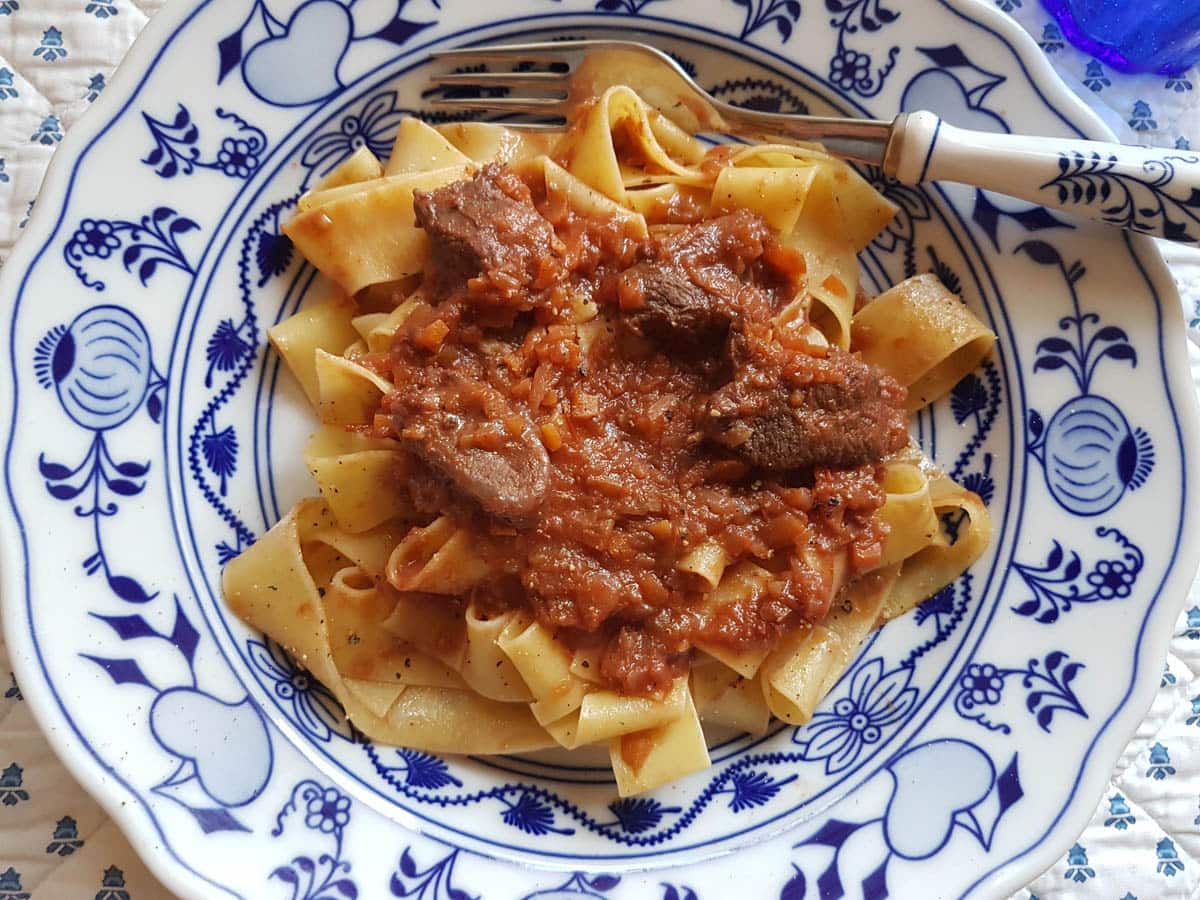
(1150, 190)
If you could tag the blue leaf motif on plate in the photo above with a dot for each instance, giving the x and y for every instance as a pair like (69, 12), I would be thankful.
(579, 884)
(424, 770)
(750, 789)
(876, 701)
(220, 453)
(226, 348)
(531, 815)
(153, 241)
(638, 814)
(1047, 682)
(783, 14)
(122, 671)
(1062, 581)
(433, 883)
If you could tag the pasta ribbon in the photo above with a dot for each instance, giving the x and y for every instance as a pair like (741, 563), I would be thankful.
(949, 554)
(272, 589)
(359, 477)
(591, 153)
(349, 393)
(645, 759)
(485, 666)
(923, 336)
(724, 697)
(438, 559)
(325, 325)
(364, 234)
(806, 664)
(484, 142)
(362, 165)
(908, 512)
(421, 148)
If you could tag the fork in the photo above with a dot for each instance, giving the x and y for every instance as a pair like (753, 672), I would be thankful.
(1147, 190)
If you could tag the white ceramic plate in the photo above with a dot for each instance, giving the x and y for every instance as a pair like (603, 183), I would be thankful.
(151, 437)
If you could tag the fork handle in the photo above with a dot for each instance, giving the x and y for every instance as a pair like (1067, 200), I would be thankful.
(1149, 190)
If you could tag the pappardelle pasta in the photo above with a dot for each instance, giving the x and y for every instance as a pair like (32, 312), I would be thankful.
(612, 445)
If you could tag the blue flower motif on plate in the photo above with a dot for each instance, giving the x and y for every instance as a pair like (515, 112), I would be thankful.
(314, 709)
(326, 813)
(153, 241)
(7, 90)
(1061, 582)
(876, 701)
(1048, 683)
(177, 151)
(855, 70)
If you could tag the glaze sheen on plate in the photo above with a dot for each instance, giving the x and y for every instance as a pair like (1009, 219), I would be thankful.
(152, 438)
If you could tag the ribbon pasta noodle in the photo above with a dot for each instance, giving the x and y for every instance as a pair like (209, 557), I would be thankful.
(610, 449)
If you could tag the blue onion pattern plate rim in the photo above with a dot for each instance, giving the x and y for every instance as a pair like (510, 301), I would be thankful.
(150, 440)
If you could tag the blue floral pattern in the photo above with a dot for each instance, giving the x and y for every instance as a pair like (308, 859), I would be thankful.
(177, 152)
(876, 701)
(878, 698)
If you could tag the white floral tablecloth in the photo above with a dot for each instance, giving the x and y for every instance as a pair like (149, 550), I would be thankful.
(55, 841)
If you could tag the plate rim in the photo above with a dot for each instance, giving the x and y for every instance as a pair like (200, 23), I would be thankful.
(145, 833)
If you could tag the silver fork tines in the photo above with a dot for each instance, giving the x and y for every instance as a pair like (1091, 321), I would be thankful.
(543, 88)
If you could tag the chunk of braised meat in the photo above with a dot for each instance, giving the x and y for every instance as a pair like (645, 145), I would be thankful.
(696, 281)
(485, 225)
(471, 435)
(675, 313)
(853, 417)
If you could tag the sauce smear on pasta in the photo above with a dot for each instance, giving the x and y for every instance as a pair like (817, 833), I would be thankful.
(618, 417)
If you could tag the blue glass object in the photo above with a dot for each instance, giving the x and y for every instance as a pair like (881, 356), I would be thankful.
(1133, 35)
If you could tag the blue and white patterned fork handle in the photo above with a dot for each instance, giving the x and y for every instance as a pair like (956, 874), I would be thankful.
(1154, 191)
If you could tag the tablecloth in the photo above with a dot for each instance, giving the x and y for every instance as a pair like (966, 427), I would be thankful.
(56, 842)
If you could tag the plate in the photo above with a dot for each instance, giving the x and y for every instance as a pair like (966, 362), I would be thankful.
(152, 437)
